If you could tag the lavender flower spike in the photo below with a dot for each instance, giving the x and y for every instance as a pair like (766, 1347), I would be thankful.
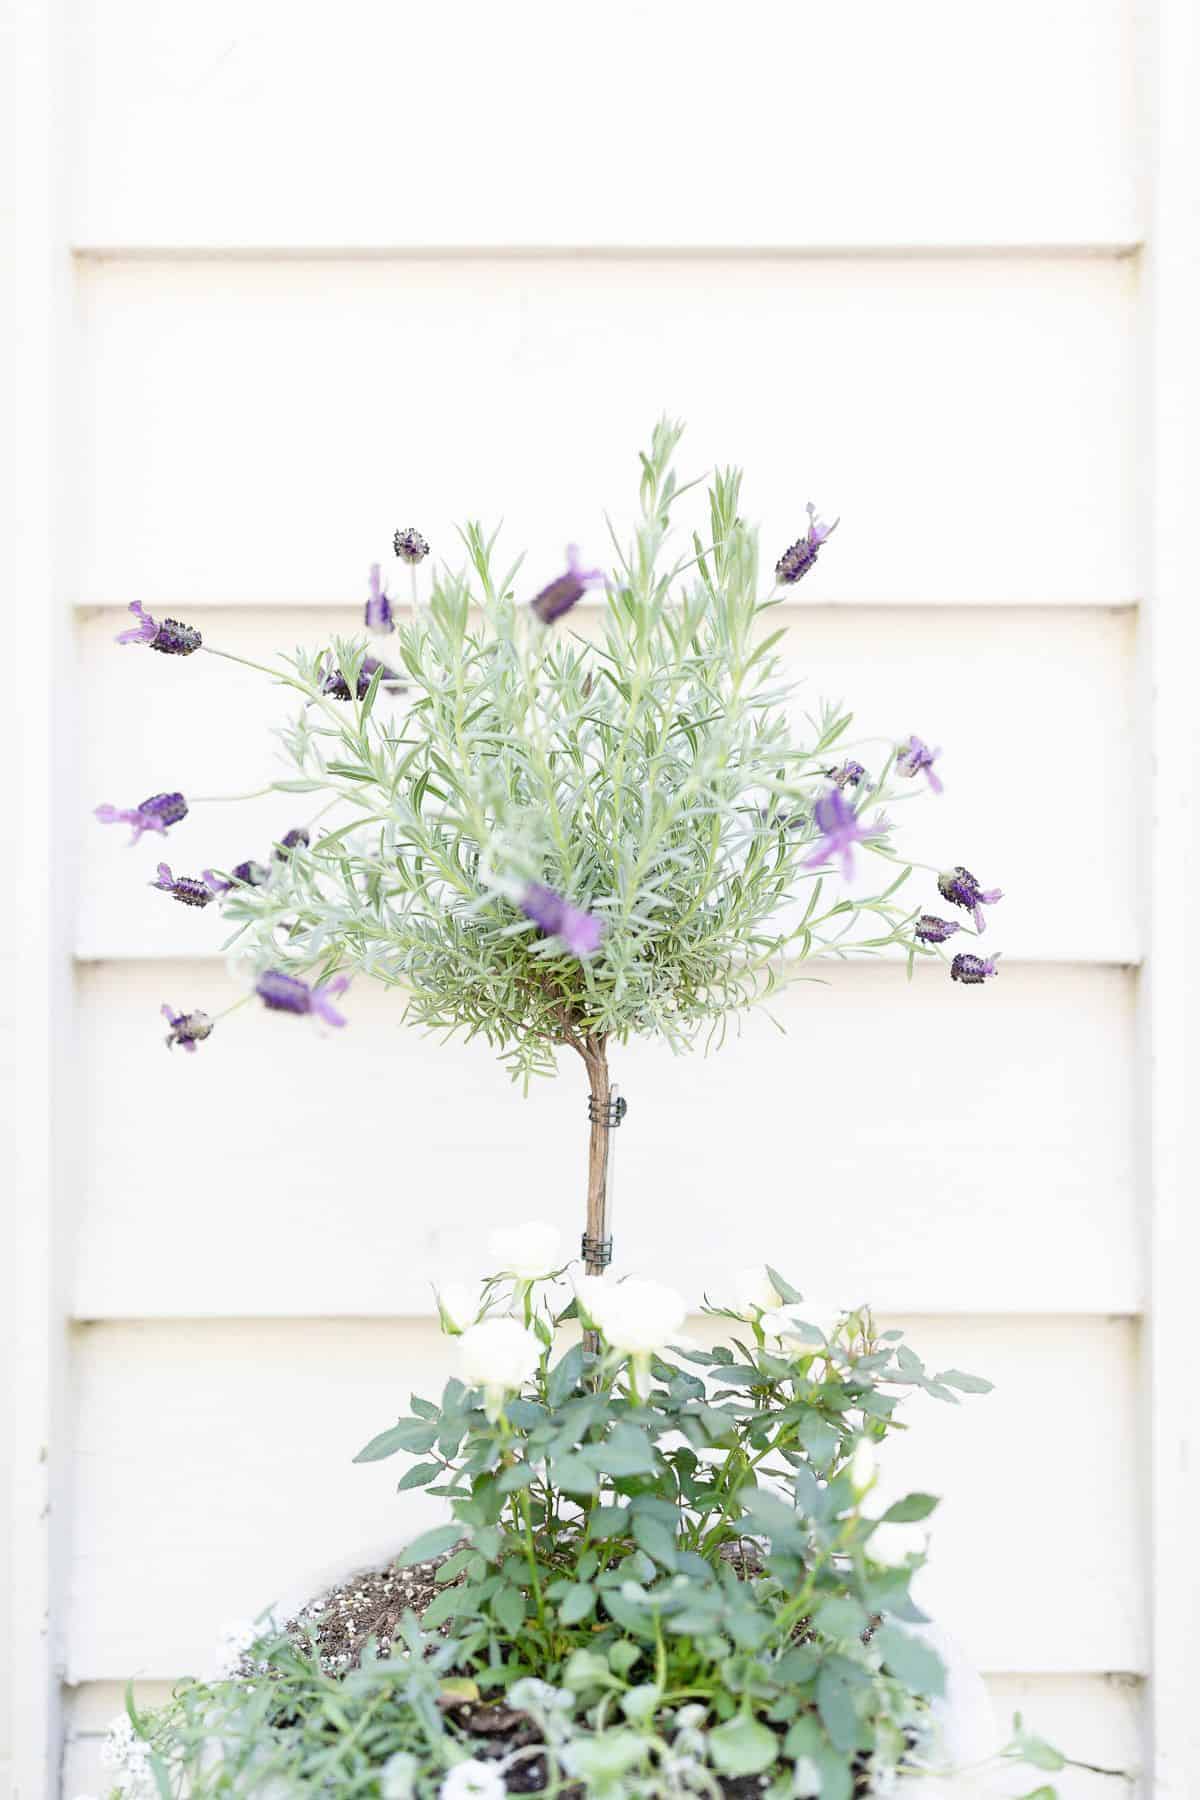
(288, 993)
(171, 637)
(960, 888)
(188, 1029)
(929, 929)
(851, 774)
(337, 687)
(841, 829)
(296, 838)
(581, 932)
(410, 546)
(187, 889)
(379, 606)
(915, 756)
(562, 594)
(972, 970)
(799, 559)
(154, 814)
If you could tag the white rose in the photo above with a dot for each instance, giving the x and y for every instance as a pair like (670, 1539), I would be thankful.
(528, 1251)
(864, 1465)
(637, 1317)
(497, 1355)
(754, 1292)
(474, 1780)
(892, 1545)
(458, 1307)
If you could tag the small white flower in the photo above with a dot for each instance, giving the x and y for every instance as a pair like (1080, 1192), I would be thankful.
(458, 1307)
(529, 1251)
(497, 1355)
(892, 1545)
(473, 1780)
(864, 1465)
(637, 1317)
(398, 1778)
(754, 1292)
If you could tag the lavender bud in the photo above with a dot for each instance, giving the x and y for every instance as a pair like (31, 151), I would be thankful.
(932, 930)
(172, 637)
(189, 890)
(851, 774)
(960, 888)
(566, 591)
(580, 931)
(971, 970)
(281, 992)
(251, 874)
(379, 606)
(410, 546)
(188, 1029)
(290, 841)
(800, 557)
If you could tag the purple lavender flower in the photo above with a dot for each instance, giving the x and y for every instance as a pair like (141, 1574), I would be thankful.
(971, 970)
(799, 559)
(841, 829)
(188, 1029)
(379, 606)
(289, 841)
(190, 890)
(851, 774)
(564, 592)
(171, 637)
(580, 931)
(929, 929)
(410, 546)
(915, 756)
(336, 686)
(287, 993)
(960, 888)
(154, 814)
(251, 874)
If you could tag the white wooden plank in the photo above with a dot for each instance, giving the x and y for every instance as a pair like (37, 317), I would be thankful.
(981, 1146)
(37, 919)
(1092, 1717)
(213, 1469)
(1172, 992)
(1017, 698)
(796, 123)
(256, 430)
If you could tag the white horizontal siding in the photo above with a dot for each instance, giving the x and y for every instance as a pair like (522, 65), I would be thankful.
(1090, 1716)
(1033, 708)
(927, 1148)
(212, 1467)
(677, 122)
(252, 432)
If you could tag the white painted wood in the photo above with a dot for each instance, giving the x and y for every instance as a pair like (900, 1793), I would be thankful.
(213, 1462)
(671, 123)
(1090, 1716)
(1172, 989)
(981, 1146)
(255, 430)
(1033, 708)
(41, 901)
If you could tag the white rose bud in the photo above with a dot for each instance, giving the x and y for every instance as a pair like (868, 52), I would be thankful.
(638, 1317)
(892, 1545)
(754, 1292)
(529, 1251)
(864, 1466)
(458, 1307)
(497, 1355)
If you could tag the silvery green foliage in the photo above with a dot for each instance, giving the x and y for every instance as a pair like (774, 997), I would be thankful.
(649, 775)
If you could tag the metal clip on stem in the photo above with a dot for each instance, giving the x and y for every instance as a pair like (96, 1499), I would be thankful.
(597, 1252)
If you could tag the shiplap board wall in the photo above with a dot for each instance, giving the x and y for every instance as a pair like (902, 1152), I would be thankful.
(324, 279)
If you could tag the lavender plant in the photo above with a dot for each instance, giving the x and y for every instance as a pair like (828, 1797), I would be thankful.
(558, 841)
